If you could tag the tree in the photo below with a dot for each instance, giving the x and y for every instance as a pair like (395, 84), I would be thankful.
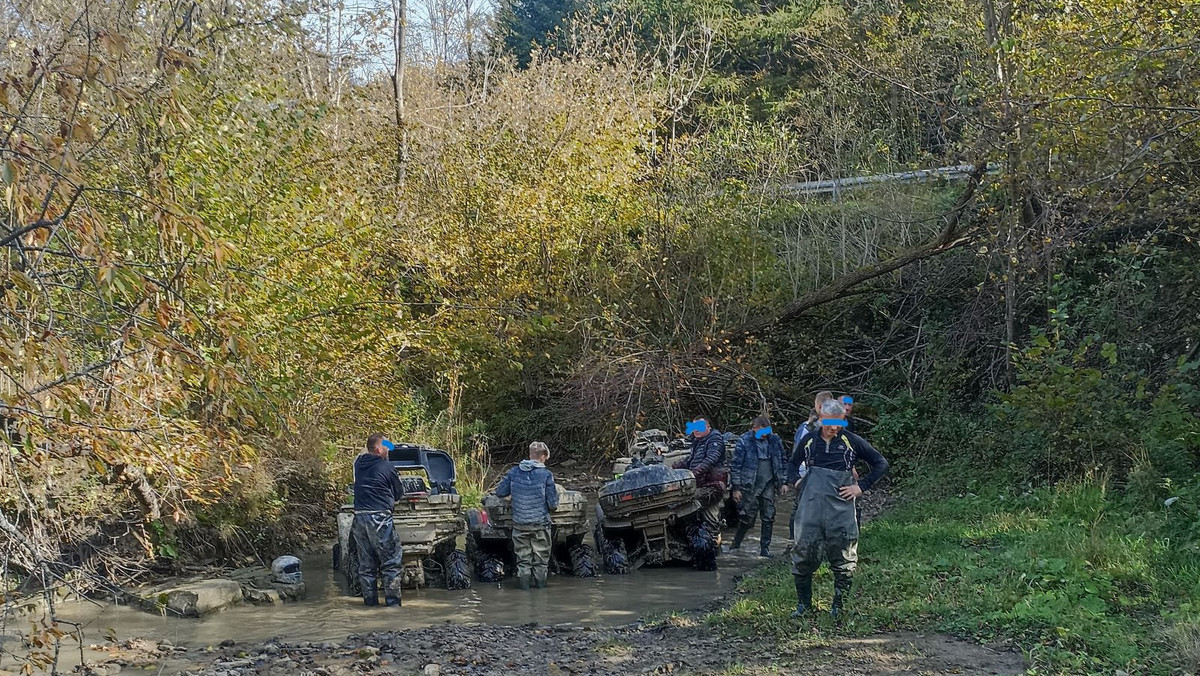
(526, 26)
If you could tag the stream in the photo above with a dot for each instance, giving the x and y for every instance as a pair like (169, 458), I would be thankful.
(326, 615)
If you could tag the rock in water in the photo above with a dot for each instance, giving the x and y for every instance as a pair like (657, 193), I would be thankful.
(432, 670)
(200, 598)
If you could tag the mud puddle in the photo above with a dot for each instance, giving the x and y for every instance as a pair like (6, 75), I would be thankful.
(327, 616)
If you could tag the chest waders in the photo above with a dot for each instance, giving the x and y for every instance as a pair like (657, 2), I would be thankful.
(826, 530)
(758, 501)
(379, 555)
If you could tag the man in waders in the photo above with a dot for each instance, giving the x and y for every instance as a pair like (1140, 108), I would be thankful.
(795, 465)
(534, 495)
(826, 522)
(376, 489)
(757, 472)
(705, 461)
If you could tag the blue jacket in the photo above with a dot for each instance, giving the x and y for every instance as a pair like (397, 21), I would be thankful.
(376, 484)
(533, 493)
(745, 460)
(708, 452)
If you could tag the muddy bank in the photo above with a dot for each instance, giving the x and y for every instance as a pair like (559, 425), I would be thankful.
(682, 645)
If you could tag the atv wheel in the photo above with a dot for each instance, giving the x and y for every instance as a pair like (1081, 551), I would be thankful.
(583, 561)
(704, 548)
(457, 570)
(350, 569)
(612, 552)
(488, 568)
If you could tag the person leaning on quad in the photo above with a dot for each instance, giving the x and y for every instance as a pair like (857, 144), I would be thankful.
(534, 495)
(376, 489)
(705, 461)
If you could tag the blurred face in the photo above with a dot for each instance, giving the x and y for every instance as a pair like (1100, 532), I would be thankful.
(698, 428)
(849, 407)
(379, 450)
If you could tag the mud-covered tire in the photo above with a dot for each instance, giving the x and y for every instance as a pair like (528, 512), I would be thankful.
(337, 556)
(616, 560)
(488, 568)
(457, 570)
(612, 553)
(704, 548)
(583, 560)
(353, 582)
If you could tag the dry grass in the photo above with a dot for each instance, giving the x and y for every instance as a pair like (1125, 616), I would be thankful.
(1185, 643)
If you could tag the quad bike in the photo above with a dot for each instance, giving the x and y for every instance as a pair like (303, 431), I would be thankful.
(489, 540)
(651, 513)
(656, 446)
(428, 520)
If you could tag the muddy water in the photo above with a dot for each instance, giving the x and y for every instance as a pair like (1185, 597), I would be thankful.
(327, 615)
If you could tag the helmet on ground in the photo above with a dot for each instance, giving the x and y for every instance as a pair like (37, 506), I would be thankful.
(286, 570)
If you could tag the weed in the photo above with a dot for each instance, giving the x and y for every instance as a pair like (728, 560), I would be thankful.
(1185, 643)
(1080, 580)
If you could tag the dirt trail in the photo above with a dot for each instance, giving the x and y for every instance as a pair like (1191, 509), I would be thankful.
(677, 647)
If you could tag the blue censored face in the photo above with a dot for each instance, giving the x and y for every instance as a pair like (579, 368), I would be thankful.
(698, 426)
(759, 434)
(847, 399)
(833, 422)
(388, 445)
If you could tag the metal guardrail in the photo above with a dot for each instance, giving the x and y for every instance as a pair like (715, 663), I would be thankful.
(837, 185)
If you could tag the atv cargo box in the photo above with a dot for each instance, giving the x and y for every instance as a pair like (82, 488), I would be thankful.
(489, 538)
(571, 514)
(646, 488)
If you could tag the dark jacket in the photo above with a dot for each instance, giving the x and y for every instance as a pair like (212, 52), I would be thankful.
(533, 493)
(376, 484)
(745, 460)
(840, 454)
(797, 457)
(708, 453)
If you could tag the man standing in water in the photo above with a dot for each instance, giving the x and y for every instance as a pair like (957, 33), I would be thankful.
(757, 472)
(376, 489)
(534, 495)
(826, 522)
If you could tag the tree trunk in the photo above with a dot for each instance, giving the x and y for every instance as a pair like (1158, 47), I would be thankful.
(399, 33)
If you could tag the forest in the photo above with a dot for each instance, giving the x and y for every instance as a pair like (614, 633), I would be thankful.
(240, 236)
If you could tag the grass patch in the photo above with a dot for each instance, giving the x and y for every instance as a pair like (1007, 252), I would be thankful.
(1082, 579)
(614, 647)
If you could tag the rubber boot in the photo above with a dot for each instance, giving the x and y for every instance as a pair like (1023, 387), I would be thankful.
(742, 529)
(370, 595)
(765, 539)
(394, 602)
(841, 592)
(523, 582)
(803, 594)
(539, 582)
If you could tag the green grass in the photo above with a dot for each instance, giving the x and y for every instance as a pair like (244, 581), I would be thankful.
(1081, 579)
